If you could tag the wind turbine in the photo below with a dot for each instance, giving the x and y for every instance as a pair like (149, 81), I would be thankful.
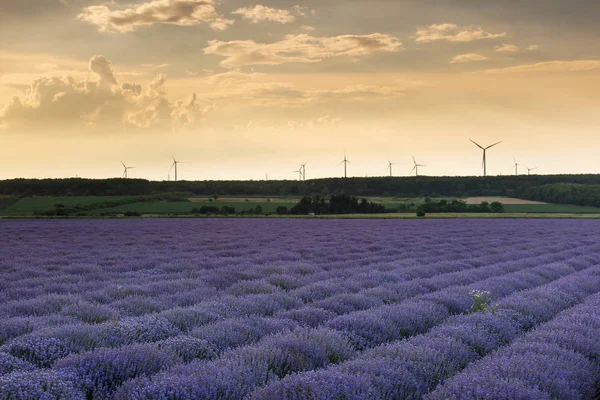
(299, 171)
(516, 167)
(484, 163)
(345, 162)
(390, 167)
(530, 169)
(416, 167)
(303, 168)
(126, 169)
(175, 162)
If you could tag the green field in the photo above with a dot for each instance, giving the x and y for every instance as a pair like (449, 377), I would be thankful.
(186, 207)
(550, 208)
(29, 205)
(6, 202)
(15, 207)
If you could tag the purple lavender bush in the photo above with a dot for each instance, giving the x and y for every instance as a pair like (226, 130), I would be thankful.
(299, 309)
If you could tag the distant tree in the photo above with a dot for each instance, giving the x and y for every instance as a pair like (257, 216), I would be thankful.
(226, 210)
(420, 213)
(281, 210)
(215, 196)
(209, 210)
(484, 207)
(497, 207)
(258, 209)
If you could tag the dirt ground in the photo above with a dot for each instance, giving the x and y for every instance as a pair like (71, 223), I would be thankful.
(503, 200)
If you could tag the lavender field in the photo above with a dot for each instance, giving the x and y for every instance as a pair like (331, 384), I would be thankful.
(299, 309)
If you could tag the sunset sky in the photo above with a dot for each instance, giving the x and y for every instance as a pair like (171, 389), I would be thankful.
(241, 89)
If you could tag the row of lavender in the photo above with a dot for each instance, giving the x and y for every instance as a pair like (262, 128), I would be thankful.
(85, 317)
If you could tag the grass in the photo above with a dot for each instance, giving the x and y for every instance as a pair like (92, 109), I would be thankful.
(15, 207)
(6, 201)
(28, 205)
(550, 208)
(186, 207)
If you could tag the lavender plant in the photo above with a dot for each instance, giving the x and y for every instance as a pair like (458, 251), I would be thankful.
(188, 309)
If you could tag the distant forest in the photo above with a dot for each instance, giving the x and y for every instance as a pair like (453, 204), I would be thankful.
(564, 189)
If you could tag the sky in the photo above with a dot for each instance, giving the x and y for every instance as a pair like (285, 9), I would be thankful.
(236, 89)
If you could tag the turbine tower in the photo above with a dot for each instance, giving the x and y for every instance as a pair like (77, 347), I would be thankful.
(126, 169)
(299, 171)
(416, 167)
(345, 162)
(174, 165)
(516, 167)
(390, 167)
(530, 169)
(484, 163)
(303, 168)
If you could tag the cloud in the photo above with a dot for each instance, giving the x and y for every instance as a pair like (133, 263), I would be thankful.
(261, 13)
(174, 12)
(533, 47)
(506, 48)
(469, 57)
(550, 66)
(453, 33)
(302, 48)
(101, 66)
(88, 103)
(251, 90)
(301, 10)
(324, 121)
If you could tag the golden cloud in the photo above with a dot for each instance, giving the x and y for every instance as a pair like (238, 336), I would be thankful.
(550, 66)
(174, 12)
(66, 101)
(453, 33)
(469, 57)
(261, 13)
(302, 48)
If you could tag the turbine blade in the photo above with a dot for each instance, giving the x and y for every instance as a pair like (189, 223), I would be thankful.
(414, 161)
(476, 144)
(413, 168)
(493, 145)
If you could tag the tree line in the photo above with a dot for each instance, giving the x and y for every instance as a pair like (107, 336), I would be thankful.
(563, 193)
(363, 187)
(336, 204)
(459, 206)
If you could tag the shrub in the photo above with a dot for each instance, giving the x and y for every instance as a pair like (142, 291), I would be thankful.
(497, 207)
(41, 351)
(47, 384)
(481, 301)
(281, 210)
(420, 213)
(101, 371)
